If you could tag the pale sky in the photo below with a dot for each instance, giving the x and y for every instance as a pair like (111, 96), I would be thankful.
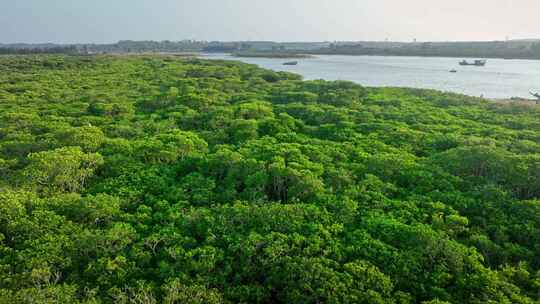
(104, 21)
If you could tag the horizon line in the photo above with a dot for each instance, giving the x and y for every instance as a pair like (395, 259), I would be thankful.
(273, 41)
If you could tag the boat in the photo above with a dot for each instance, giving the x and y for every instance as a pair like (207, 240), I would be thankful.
(291, 63)
(474, 63)
(453, 71)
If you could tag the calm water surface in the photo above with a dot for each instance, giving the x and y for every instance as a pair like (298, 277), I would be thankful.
(498, 79)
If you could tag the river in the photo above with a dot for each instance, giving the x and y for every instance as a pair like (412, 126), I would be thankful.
(500, 78)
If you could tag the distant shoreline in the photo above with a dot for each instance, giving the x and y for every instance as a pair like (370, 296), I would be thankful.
(516, 100)
(314, 55)
(271, 55)
(511, 49)
(308, 54)
(427, 56)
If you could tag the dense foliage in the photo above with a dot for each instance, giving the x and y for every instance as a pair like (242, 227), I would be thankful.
(168, 180)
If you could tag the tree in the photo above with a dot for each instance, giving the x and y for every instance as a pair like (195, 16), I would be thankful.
(64, 169)
(89, 138)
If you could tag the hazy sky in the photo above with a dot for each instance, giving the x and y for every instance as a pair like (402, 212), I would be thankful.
(100, 21)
